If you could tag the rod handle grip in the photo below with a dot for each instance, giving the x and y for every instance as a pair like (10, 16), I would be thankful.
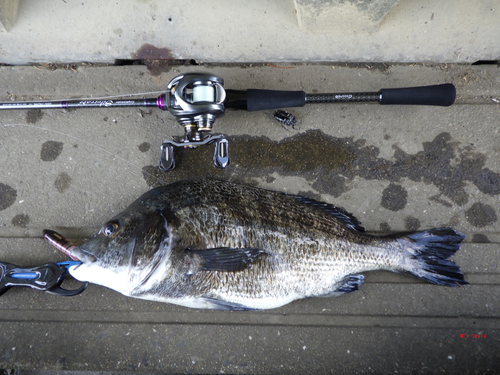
(440, 95)
(258, 100)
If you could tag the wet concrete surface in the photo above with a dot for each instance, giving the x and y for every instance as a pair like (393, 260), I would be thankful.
(396, 168)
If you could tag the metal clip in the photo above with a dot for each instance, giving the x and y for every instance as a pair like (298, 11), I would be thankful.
(47, 278)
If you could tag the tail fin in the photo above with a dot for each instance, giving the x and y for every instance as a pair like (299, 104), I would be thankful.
(430, 251)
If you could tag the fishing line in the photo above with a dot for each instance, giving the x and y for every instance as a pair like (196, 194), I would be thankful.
(108, 97)
(89, 143)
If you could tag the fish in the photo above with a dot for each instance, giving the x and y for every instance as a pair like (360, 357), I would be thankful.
(212, 244)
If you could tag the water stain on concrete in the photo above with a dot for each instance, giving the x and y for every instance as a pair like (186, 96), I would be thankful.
(292, 155)
(33, 116)
(62, 182)
(157, 60)
(412, 223)
(385, 227)
(300, 155)
(144, 147)
(437, 198)
(480, 238)
(481, 215)
(150, 52)
(8, 196)
(21, 220)
(333, 163)
(486, 180)
(394, 197)
(51, 150)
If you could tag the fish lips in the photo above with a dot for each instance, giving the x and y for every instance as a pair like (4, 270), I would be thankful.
(82, 255)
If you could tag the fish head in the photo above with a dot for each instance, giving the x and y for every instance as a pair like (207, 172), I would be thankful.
(127, 248)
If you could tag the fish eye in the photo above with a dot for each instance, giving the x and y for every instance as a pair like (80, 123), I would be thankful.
(110, 228)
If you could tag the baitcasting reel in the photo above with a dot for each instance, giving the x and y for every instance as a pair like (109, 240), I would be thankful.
(198, 99)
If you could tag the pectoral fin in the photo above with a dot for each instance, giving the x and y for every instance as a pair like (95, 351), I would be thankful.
(224, 258)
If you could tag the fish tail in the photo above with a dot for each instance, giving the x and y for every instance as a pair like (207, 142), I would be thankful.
(429, 252)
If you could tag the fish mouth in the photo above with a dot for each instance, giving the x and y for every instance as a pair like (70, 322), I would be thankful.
(64, 245)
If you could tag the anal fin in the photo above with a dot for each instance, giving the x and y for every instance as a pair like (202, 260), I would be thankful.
(351, 283)
(348, 284)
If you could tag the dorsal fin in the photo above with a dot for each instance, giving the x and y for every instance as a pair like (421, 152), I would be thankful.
(342, 215)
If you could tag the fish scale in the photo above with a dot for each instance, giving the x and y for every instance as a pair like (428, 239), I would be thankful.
(219, 245)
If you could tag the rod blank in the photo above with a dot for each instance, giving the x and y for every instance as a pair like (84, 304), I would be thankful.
(257, 100)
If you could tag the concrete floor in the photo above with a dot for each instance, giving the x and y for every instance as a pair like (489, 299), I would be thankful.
(69, 31)
(408, 168)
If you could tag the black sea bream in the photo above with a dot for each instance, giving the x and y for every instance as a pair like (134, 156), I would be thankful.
(218, 245)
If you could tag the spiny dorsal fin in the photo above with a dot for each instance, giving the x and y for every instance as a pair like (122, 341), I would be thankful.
(345, 217)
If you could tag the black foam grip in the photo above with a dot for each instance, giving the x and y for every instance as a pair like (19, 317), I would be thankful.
(258, 100)
(442, 95)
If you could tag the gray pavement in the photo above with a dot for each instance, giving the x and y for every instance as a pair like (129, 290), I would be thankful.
(396, 168)
(71, 31)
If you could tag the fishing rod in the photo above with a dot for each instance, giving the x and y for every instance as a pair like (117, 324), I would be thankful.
(196, 100)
